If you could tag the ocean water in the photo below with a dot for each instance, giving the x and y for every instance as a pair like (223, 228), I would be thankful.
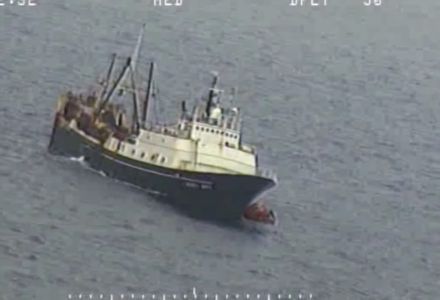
(342, 101)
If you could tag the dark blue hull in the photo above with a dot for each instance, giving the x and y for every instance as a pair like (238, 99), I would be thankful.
(204, 195)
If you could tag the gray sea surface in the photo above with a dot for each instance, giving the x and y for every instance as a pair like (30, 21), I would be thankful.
(342, 101)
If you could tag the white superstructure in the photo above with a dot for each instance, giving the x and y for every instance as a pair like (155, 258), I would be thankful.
(207, 140)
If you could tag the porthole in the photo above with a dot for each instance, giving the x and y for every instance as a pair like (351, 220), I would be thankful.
(133, 152)
(142, 155)
(162, 160)
(197, 127)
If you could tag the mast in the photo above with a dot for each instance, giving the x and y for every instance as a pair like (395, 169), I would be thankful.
(115, 85)
(183, 110)
(108, 77)
(135, 120)
(136, 51)
(130, 64)
(211, 95)
(148, 96)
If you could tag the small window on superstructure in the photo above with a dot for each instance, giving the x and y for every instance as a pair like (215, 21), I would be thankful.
(162, 160)
(133, 152)
(142, 154)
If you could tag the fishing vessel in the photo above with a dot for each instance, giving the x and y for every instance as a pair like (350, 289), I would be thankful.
(199, 162)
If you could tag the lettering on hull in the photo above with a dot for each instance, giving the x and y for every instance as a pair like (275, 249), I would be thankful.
(202, 186)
